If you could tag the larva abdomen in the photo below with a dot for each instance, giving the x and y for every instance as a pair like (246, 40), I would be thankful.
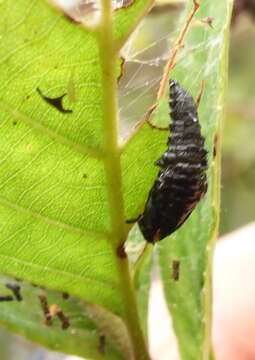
(181, 182)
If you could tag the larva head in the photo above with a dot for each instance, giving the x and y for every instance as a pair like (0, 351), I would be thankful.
(182, 104)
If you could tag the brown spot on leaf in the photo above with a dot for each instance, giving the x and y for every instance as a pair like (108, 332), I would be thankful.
(56, 102)
(121, 252)
(65, 295)
(101, 345)
(176, 269)
(215, 145)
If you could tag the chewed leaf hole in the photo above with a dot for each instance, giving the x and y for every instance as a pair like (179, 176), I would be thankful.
(56, 102)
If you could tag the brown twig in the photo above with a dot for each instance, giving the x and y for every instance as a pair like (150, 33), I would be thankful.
(169, 66)
(178, 45)
(163, 128)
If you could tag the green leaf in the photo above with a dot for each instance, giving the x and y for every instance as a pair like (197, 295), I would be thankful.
(48, 185)
(26, 318)
(57, 197)
(126, 19)
(205, 57)
(67, 187)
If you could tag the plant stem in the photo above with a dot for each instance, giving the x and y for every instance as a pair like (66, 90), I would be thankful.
(132, 317)
(110, 123)
(114, 180)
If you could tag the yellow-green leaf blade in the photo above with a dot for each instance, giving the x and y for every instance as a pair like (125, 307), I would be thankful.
(189, 298)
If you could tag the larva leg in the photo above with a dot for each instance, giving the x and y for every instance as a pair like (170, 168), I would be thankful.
(153, 126)
(132, 221)
(198, 99)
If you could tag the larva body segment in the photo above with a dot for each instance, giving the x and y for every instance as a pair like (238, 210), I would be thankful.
(181, 182)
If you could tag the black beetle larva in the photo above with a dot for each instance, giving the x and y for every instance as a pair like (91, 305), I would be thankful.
(181, 182)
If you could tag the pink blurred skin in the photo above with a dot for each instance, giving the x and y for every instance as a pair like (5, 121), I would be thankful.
(234, 303)
(234, 295)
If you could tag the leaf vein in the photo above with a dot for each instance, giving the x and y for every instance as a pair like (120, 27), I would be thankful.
(81, 149)
(55, 271)
(53, 222)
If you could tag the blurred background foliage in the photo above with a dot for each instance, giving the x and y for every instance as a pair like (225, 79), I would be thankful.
(238, 163)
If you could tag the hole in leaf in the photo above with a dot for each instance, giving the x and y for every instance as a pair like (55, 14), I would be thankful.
(56, 102)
